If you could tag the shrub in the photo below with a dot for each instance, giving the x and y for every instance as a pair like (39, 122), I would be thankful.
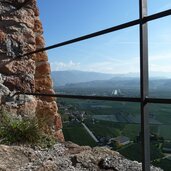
(15, 130)
(23, 131)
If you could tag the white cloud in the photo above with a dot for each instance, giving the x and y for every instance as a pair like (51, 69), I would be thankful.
(65, 66)
(157, 63)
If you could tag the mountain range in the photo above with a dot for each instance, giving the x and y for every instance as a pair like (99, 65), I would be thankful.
(92, 83)
(75, 78)
(61, 78)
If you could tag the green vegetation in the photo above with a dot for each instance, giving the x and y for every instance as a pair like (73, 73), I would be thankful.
(160, 113)
(97, 128)
(111, 129)
(104, 126)
(131, 130)
(164, 130)
(133, 151)
(165, 164)
(167, 145)
(102, 107)
(77, 134)
(15, 130)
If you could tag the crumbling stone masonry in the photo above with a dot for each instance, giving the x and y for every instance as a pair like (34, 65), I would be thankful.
(21, 32)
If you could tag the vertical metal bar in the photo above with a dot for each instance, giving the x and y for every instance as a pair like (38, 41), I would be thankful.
(144, 81)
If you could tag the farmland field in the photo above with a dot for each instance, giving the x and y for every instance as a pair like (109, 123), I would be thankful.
(123, 113)
(165, 164)
(77, 134)
(133, 152)
(107, 119)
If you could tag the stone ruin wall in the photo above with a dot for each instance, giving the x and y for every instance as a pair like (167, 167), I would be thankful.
(21, 32)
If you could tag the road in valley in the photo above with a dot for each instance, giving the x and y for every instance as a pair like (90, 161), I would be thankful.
(90, 133)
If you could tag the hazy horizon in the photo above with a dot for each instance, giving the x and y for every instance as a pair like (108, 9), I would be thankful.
(130, 74)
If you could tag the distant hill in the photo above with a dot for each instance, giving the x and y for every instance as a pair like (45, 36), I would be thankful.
(61, 78)
(122, 83)
(115, 83)
(83, 79)
(92, 83)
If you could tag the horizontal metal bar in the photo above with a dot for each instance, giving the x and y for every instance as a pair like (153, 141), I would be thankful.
(158, 100)
(107, 98)
(102, 32)
(85, 37)
(157, 15)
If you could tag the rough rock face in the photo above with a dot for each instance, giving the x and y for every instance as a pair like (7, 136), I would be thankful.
(65, 157)
(21, 32)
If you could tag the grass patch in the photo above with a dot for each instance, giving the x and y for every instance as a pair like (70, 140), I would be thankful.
(165, 164)
(164, 131)
(134, 152)
(17, 131)
(113, 129)
(76, 133)
(131, 130)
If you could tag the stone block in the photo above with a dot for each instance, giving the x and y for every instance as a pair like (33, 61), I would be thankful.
(20, 33)
(43, 83)
(40, 43)
(20, 84)
(2, 36)
(46, 98)
(15, 67)
(25, 36)
(45, 108)
(41, 57)
(28, 48)
(42, 68)
(38, 26)
(28, 102)
(59, 135)
(58, 122)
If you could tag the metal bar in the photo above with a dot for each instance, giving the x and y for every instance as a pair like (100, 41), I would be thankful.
(157, 15)
(127, 99)
(108, 98)
(158, 100)
(144, 81)
(102, 32)
(85, 37)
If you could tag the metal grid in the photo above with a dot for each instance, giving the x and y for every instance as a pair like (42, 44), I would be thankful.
(144, 100)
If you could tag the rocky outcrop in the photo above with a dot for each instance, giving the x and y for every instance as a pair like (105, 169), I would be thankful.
(21, 32)
(65, 157)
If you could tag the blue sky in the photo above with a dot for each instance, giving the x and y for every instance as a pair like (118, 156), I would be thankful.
(116, 52)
